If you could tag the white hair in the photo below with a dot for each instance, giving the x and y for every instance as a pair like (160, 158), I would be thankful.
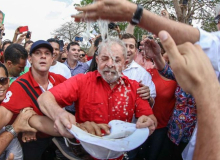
(111, 41)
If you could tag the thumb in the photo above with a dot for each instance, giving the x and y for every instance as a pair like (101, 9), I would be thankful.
(169, 46)
(11, 156)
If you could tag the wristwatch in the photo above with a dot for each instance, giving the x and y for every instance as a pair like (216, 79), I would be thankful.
(9, 128)
(137, 15)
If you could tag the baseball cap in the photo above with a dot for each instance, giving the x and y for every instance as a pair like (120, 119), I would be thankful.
(123, 137)
(41, 43)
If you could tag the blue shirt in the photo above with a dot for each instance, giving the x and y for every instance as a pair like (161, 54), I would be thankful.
(80, 68)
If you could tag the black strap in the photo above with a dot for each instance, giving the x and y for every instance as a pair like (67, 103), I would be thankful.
(31, 88)
(29, 94)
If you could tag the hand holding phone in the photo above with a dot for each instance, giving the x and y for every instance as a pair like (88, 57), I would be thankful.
(23, 29)
(28, 34)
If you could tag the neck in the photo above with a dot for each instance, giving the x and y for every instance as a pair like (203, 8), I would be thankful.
(72, 63)
(112, 85)
(41, 78)
(54, 62)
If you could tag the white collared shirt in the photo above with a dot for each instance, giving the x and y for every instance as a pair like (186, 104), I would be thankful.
(138, 73)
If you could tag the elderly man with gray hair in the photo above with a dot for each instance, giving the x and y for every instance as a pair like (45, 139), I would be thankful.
(100, 96)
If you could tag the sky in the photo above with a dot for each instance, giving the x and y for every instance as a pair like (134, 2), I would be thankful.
(41, 16)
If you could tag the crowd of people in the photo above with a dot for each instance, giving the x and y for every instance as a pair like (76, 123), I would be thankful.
(169, 84)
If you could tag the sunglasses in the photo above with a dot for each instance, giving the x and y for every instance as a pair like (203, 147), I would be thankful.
(82, 55)
(3, 80)
(217, 19)
(64, 59)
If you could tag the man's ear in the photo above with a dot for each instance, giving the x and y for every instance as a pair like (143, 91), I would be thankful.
(9, 63)
(30, 59)
(97, 59)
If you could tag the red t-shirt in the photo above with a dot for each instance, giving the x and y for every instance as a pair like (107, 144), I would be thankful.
(17, 99)
(96, 101)
(165, 99)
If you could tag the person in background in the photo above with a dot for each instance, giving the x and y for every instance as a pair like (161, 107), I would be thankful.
(56, 66)
(82, 56)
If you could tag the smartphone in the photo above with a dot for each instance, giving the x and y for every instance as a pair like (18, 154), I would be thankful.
(23, 29)
(79, 39)
(61, 45)
(112, 25)
(28, 34)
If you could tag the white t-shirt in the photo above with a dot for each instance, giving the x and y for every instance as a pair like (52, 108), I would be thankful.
(62, 69)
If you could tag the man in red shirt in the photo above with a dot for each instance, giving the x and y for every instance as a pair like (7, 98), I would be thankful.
(25, 91)
(100, 96)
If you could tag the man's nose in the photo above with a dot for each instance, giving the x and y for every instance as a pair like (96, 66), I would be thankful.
(110, 63)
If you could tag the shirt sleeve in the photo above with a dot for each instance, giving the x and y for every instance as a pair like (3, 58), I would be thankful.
(67, 92)
(167, 72)
(147, 80)
(142, 107)
(15, 99)
(210, 43)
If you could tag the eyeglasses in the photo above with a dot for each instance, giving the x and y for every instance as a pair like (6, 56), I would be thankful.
(64, 59)
(217, 19)
(3, 80)
(82, 55)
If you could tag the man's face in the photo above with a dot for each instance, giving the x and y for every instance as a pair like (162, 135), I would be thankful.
(131, 49)
(73, 53)
(56, 50)
(1, 18)
(41, 59)
(4, 84)
(111, 62)
(63, 57)
(82, 57)
(14, 70)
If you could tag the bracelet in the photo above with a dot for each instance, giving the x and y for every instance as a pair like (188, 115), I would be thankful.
(137, 15)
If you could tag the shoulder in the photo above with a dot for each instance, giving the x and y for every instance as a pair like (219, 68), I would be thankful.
(84, 65)
(56, 77)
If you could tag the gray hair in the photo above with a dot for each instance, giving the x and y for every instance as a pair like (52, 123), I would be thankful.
(111, 41)
(217, 9)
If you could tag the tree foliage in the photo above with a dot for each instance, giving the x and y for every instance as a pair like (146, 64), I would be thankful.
(69, 30)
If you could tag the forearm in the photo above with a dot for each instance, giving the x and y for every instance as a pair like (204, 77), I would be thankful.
(48, 105)
(5, 116)
(91, 51)
(154, 23)
(5, 139)
(208, 139)
(43, 124)
(15, 38)
(159, 62)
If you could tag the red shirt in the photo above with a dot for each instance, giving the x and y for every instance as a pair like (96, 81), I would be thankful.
(165, 99)
(96, 101)
(16, 97)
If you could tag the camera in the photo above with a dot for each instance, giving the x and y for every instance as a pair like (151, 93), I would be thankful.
(112, 25)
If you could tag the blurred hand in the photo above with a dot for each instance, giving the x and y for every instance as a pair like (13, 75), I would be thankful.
(113, 10)
(192, 68)
(21, 122)
(150, 48)
(21, 38)
(17, 31)
(64, 121)
(28, 136)
(146, 121)
(143, 91)
(11, 156)
(94, 128)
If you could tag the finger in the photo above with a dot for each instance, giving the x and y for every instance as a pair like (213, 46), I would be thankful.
(105, 127)
(170, 46)
(11, 156)
(23, 139)
(97, 129)
(62, 129)
(68, 121)
(89, 128)
(143, 91)
(145, 96)
(145, 123)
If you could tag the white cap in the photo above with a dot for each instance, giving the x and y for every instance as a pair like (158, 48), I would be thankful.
(124, 136)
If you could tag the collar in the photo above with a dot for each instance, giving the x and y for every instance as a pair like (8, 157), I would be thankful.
(35, 84)
(78, 64)
(99, 76)
(132, 65)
